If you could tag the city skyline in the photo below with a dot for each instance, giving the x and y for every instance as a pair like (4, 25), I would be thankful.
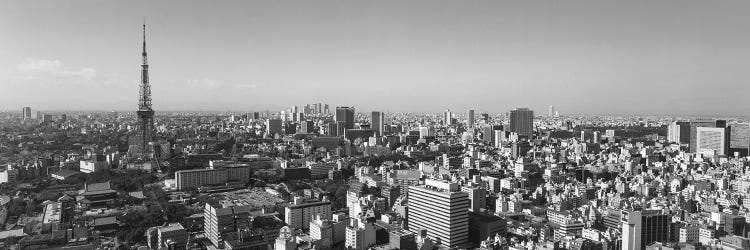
(663, 68)
(389, 125)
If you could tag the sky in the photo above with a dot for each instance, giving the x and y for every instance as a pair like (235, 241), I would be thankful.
(687, 57)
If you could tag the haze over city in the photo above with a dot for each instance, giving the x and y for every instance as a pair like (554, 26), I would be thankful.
(590, 57)
(388, 125)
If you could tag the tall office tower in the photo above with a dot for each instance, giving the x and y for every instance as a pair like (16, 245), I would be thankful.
(470, 118)
(710, 141)
(643, 227)
(678, 132)
(26, 113)
(307, 109)
(488, 132)
(293, 109)
(273, 126)
(442, 209)
(522, 121)
(142, 150)
(298, 117)
(326, 110)
(448, 117)
(583, 136)
(551, 111)
(693, 147)
(345, 115)
(225, 218)
(486, 117)
(739, 139)
(377, 122)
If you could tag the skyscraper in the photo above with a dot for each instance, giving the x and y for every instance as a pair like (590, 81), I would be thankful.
(643, 227)
(739, 139)
(470, 118)
(377, 122)
(26, 113)
(447, 117)
(710, 140)
(345, 116)
(140, 149)
(225, 218)
(693, 147)
(522, 121)
(551, 111)
(273, 126)
(442, 209)
(679, 132)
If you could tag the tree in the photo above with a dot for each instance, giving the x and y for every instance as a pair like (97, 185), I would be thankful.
(16, 207)
(177, 212)
(135, 223)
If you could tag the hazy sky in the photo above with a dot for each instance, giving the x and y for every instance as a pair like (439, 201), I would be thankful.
(598, 56)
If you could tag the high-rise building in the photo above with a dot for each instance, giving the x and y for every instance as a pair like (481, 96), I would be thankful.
(294, 109)
(223, 218)
(298, 117)
(470, 119)
(522, 121)
(26, 113)
(643, 227)
(551, 111)
(301, 212)
(448, 117)
(345, 115)
(694, 132)
(710, 140)
(739, 139)
(679, 132)
(273, 126)
(442, 209)
(140, 149)
(377, 122)
(488, 132)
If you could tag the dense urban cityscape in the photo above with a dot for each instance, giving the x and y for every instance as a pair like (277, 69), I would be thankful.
(334, 176)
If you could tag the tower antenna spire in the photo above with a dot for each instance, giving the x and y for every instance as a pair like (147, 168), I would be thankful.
(144, 42)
